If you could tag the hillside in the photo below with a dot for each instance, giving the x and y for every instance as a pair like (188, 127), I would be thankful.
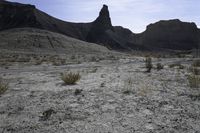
(32, 40)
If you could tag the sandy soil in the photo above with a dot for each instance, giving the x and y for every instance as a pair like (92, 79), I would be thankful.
(117, 97)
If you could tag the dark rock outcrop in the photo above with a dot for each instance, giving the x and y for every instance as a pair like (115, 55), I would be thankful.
(102, 32)
(16, 15)
(172, 34)
(100, 26)
(163, 35)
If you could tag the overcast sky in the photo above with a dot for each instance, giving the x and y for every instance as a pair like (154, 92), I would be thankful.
(132, 14)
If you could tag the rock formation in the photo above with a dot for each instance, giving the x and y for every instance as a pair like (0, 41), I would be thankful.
(172, 34)
(100, 25)
(163, 35)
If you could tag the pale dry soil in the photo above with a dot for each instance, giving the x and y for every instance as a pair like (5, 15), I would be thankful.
(116, 97)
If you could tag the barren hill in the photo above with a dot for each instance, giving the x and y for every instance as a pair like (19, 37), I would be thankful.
(42, 41)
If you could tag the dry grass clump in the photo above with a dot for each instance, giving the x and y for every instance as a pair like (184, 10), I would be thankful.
(3, 86)
(194, 81)
(196, 63)
(58, 62)
(178, 65)
(70, 78)
(144, 90)
(78, 92)
(195, 70)
(148, 64)
(128, 86)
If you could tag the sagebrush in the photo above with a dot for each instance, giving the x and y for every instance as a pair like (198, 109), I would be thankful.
(70, 78)
(194, 81)
(159, 66)
(3, 86)
(148, 63)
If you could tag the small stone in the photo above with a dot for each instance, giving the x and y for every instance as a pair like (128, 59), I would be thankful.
(147, 112)
(149, 126)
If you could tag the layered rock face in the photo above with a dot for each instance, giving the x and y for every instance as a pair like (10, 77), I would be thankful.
(163, 35)
(172, 34)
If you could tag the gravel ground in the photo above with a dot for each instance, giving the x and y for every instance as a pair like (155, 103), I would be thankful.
(115, 97)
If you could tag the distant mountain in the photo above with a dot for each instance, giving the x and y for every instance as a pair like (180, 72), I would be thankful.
(163, 35)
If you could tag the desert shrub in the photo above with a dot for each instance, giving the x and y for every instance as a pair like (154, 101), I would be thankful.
(194, 81)
(144, 89)
(148, 63)
(73, 57)
(93, 59)
(196, 63)
(181, 67)
(176, 65)
(47, 114)
(94, 70)
(3, 86)
(78, 92)
(159, 66)
(195, 70)
(58, 62)
(39, 62)
(70, 78)
(102, 84)
(128, 86)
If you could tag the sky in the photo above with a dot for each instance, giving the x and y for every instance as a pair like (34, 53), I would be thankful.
(132, 14)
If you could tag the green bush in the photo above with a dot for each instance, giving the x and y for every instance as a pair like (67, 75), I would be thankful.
(70, 78)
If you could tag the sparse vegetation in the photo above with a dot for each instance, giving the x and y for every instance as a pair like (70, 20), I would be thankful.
(148, 63)
(78, 92)
(195, 70)
(159, 66)
(178, 65)
(144, 90)
(47, 114)
(3, 86)
(196, 63)
(194, 81)
(70, 78)
(73, 57)
(127, 92)
(128, 85)
(38, 62)
(102, 85)
(58, 62)
(94, 70)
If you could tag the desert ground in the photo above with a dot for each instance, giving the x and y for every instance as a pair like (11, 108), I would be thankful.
(60, 76)
(114, 95)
